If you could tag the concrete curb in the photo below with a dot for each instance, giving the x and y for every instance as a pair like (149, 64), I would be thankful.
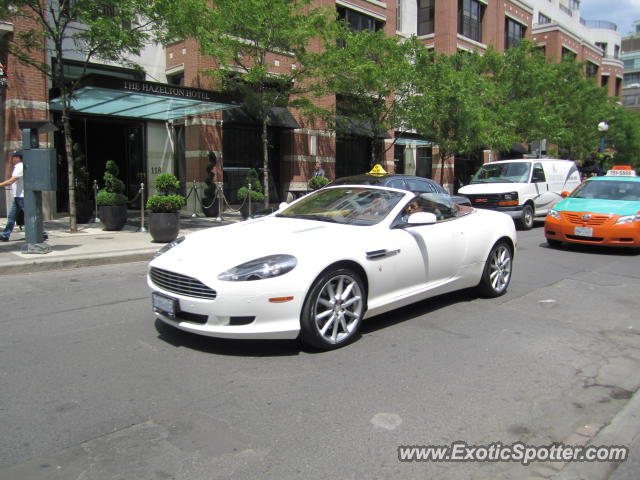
(622, 430)
(43, 265)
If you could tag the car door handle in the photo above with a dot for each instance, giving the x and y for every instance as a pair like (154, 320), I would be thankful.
(381, 253)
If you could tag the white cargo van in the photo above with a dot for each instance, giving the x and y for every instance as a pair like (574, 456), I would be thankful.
(524, 189)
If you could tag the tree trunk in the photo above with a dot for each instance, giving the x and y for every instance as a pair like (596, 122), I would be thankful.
(265, 161)
(68, 142)
(373, 151)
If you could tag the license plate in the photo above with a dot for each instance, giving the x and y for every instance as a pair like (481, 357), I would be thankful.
(583, 231)
(163, 304)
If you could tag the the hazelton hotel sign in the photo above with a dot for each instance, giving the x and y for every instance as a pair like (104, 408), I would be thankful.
(168, 90)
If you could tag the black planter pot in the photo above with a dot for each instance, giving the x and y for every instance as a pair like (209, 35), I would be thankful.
(164, 227)
(113, 217)
(84, 211)
(210, 207)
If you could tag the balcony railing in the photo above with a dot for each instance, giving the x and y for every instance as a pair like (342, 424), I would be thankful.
(601, 24)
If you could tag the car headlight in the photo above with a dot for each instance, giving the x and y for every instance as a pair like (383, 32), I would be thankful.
(169, 246)
(510, 198)
(554, 214)
(260, 268)
(629, 219)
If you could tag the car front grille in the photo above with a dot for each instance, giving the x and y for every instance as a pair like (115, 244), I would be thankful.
(181, 284)
(484, 201)
(592, 220)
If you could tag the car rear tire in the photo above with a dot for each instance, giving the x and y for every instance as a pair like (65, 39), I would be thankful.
(526, 220)
(333, 310)
(497, 271)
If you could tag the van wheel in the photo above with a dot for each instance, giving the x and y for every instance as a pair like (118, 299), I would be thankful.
(526, 220)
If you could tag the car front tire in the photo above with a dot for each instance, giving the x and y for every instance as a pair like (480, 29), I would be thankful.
(526, 220)
(497, 271)
(333, 310)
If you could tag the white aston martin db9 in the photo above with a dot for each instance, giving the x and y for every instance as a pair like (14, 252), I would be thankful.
(316, 268)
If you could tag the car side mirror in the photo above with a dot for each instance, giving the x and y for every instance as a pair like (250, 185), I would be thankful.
(565, 194)
(422, 218)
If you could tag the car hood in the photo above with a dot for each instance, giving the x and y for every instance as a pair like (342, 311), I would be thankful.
(486, 188)
(231, 245)
(595, 205)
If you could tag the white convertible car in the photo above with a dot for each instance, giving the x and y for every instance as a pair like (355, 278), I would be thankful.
(316, 268)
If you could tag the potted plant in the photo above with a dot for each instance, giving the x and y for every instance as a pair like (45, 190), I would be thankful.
(209, 196)
(317, 182)
(256, 193)
(164, 221)
(112, 201)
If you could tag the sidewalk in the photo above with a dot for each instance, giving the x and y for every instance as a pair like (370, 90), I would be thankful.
(91, 245)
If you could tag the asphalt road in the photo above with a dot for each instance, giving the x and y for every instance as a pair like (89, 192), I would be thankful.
(92, 387)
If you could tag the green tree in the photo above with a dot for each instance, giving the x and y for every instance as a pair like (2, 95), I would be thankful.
(624, 136)
(456, 106)
(372, 76)
(245, 37)
(93, 30)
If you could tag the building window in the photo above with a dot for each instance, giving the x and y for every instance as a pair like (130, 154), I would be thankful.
(631, 78)
(616, 51)
(574, 4)
(398, 15)
(602, 46)
(358, 22)
(543, 19)
(426, 15)
(591, 70)
(604, 81)
(176, 79)
(513, 33)
(470, 13)
(566, 53)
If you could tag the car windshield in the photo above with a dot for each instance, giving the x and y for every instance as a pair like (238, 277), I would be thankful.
(508, 172)
(351, 206)
(608, 190)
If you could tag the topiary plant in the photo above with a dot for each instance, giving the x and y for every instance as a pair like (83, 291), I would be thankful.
(256, 187)
(113, 191)
(317, 182)
(167, 200)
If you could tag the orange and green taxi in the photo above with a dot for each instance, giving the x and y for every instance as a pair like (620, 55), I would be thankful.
(600, 211)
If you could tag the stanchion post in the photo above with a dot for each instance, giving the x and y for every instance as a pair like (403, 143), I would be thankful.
(220, 201)
(95, 199)
(195, 198)
(142, 229)
(249, 201)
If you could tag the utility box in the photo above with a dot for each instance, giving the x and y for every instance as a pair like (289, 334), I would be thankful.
(40, 173)
(40, 169)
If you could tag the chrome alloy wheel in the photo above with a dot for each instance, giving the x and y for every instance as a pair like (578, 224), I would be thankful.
(338, 308)
(500, 268)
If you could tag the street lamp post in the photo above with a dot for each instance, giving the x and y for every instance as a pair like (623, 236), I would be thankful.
(602, 128)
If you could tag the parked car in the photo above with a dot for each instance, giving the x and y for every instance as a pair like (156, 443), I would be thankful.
(405, 182)
(601, 211)
(320, 265)
(523, 189)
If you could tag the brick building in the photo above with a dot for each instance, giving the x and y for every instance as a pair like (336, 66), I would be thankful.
(168, 119)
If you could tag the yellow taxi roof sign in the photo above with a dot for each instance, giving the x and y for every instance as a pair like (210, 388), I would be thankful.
(377, 170)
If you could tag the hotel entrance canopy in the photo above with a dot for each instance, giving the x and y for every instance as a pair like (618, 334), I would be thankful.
(118, 97)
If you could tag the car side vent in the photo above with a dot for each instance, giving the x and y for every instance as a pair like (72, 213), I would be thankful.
(181, 284)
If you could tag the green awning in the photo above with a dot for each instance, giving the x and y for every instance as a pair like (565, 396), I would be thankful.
(103, 95)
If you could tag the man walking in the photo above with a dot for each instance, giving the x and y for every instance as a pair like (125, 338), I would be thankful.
(17, 191)
(319, 171)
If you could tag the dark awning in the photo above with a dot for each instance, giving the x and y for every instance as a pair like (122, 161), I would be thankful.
(277, 117)
(358, 127)
(104, 95)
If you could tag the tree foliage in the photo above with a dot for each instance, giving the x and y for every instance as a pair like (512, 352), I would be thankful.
(108, 30)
